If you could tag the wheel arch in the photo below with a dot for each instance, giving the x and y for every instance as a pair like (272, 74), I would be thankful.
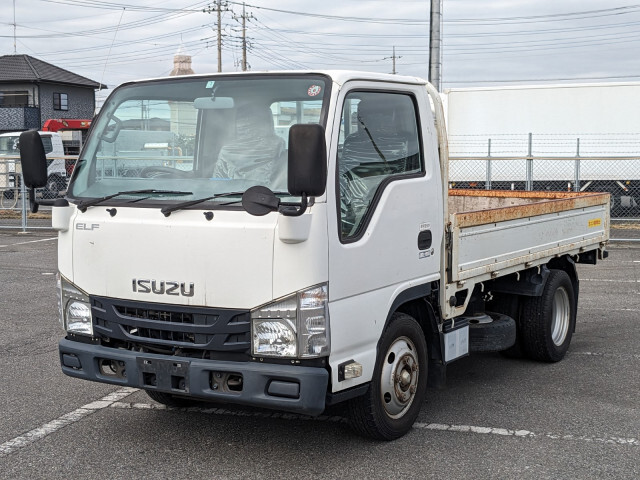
(534, 279)
(568, 265)
(418, 302)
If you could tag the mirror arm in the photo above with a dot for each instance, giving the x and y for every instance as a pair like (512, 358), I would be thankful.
(33, 204)
(287, 212)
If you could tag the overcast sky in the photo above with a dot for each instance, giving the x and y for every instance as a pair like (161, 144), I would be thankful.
(485, 41)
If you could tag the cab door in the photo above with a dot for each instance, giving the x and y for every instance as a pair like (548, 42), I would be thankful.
(386, 228)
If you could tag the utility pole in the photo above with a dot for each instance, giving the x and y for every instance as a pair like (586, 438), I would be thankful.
(435, 43)
(219, 38)
(218, 8)
(393, 58)
(244, 17)
(15, 50)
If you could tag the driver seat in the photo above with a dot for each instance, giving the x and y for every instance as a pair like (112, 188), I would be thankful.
(256, 152)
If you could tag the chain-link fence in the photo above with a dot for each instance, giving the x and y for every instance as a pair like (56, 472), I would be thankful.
(596, 163)
(14, 197)
(555, 162)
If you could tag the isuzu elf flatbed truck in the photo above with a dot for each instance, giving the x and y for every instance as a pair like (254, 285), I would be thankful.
(288, 240)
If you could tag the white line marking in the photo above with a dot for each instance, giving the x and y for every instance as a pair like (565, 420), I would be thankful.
(30, 241)
(634, 442)
(61, 422)
(626, 356)
(610, 309)
(608, 281)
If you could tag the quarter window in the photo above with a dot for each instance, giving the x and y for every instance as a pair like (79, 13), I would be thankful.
(378, 143)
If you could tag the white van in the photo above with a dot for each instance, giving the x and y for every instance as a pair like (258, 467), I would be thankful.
(57, 175)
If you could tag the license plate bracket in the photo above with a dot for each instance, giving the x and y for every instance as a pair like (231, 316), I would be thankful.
(166, 375)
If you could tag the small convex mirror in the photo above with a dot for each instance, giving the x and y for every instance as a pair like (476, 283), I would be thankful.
(259, 201)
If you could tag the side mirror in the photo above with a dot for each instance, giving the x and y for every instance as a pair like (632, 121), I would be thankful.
(34, 164)
(33, 159)
(307, 174)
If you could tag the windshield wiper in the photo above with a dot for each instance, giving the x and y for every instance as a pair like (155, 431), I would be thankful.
(82, 206)
(166, 211)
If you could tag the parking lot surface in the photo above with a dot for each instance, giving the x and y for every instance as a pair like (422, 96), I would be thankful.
(496, 417)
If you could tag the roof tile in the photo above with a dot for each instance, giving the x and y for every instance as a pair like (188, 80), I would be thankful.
(25, 68)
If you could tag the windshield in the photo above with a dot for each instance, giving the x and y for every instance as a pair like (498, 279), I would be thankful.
(10, 144)
(206, 136)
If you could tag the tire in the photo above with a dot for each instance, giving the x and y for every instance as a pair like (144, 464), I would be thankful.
(497, 335)
(398, 387)
(548, 321)
(170, 400)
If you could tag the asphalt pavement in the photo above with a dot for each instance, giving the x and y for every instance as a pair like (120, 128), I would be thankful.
(496, 417)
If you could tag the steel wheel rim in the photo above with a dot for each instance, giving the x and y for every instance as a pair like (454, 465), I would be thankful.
(560, 316)
(399, 377)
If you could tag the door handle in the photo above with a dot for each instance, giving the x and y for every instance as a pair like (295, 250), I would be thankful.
(425, 238)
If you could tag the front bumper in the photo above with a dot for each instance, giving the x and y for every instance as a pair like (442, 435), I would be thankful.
(287, 388)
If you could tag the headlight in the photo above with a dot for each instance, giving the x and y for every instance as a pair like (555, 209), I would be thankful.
(74, 308)
(294, 327)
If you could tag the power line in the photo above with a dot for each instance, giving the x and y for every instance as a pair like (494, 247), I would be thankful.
(559, 79)
(553, 16)
(279, 46)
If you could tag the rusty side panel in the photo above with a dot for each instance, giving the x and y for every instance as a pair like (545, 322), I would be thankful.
(542, 203)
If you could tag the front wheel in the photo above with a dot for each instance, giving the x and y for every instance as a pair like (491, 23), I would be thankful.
(398, 387)
(548, 321)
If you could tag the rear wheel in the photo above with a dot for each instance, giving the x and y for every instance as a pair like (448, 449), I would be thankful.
(398, 387)
(548, 321)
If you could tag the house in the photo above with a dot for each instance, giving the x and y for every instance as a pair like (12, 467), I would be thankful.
(33, 91)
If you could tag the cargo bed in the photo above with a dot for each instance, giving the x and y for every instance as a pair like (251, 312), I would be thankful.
(495, 233)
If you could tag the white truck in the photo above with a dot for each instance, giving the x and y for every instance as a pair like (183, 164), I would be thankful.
(56, 172)
(582, 137)
(336, 267)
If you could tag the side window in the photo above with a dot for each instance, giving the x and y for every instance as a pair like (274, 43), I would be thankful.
(60, 101)
(378, 141)
(14, 99)
(47, 143)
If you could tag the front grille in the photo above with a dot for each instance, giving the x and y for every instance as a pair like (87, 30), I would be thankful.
(159, 315)
(172, 327)
(169, 336)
